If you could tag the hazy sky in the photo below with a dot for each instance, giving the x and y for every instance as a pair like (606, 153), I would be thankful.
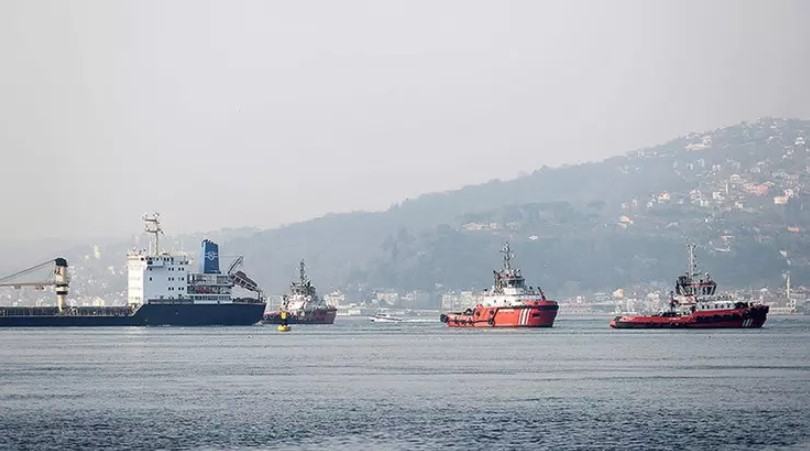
(258, 113)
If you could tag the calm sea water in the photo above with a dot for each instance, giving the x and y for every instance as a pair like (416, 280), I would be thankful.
(362, 385)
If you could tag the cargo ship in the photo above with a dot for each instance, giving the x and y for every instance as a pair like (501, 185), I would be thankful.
(302, 304)
(695, 303)
(509, 303)
(162, 290)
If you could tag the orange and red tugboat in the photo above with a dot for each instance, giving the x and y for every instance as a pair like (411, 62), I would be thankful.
(696, 304)
(508, 304)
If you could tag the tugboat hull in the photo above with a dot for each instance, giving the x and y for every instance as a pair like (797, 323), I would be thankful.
(313, 317)
(751, 317)
(540, 314)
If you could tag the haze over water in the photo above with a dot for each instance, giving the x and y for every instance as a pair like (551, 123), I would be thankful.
(279, 112)
(361, 385)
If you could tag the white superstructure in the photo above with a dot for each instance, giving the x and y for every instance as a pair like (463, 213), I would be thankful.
(303, 297)
(155, 276)
(696, 292)
(509, 288)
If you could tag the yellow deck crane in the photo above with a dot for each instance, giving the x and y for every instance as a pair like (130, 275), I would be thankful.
(53, 273)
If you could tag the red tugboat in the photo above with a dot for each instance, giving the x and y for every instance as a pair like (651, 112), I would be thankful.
(696, 304)
(509, 304)
(302, 304)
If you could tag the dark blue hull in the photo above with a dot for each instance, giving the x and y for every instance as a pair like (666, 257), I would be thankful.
(152, 314)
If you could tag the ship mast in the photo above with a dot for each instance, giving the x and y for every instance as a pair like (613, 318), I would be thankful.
(302, 272)
(152, 226)
(692, 261)
(507, 256)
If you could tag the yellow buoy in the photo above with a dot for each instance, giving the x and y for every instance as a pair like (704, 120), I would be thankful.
(283, 327)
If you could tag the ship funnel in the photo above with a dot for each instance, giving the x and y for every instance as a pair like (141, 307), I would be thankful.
(209, 257)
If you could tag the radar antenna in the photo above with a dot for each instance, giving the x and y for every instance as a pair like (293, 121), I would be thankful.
(152, 226)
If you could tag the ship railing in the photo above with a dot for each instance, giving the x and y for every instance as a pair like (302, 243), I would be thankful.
(210, 279)
(248, 301)
(171, 301)
(70, 311)
(187, 300)
(714, 297)
(28, 311)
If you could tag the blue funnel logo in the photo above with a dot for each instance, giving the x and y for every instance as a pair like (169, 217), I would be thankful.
(209, 257)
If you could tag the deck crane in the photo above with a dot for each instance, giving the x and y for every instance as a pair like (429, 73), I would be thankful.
(241, 279)
(236, 263)
(53, 273)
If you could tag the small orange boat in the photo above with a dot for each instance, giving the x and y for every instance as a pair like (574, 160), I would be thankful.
(508, 304)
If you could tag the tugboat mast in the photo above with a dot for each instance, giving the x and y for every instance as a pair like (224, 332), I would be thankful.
(507, 256)
(302, 272)
(787, 286)
(692, 261)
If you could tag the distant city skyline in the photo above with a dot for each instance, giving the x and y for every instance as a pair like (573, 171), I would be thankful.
(230, 114)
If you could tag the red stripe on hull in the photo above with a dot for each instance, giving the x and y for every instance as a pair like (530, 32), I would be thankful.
(534, 314)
